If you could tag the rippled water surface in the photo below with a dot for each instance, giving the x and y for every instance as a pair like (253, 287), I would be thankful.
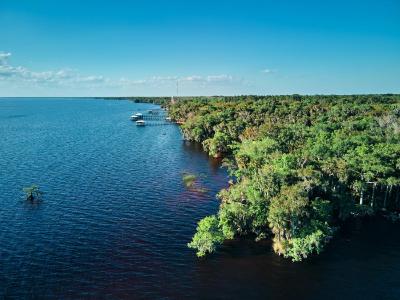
(116, 217)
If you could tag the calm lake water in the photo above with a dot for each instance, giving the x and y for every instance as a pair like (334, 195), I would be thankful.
(116, 218)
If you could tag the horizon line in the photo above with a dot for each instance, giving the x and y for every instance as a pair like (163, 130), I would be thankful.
(206, 96)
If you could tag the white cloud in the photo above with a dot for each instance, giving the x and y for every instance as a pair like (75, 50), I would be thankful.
(63, 77)
(192, 78)
(268, 71)
(4, 57)
(22, 76)
(171, 80)
(124, 82)
(220, 78)
(163, 78)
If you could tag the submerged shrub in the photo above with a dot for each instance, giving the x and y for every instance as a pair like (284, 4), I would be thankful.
(32, 193)
(189, 179)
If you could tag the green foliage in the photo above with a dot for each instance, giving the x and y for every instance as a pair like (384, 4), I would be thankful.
(32, 193)
(189, 179)
(288, 211)
(217, 145)
(300, 163)
(300, 248)
(207, 237)
(251, 155)
(300, 226)
(243, 211)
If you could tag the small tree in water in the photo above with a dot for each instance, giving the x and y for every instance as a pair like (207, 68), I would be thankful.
(189, 179)
(32, 193)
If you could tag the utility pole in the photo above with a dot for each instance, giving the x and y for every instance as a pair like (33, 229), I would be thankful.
(177, 92)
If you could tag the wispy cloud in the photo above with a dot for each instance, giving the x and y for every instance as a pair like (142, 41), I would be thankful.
(72, 78)
(220, 78)
(192, 78)
(169, 81)
(64, 77)
(4, 57)
(268, 71)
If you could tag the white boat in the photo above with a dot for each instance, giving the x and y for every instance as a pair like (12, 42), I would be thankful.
(137, 116)
(140, 123)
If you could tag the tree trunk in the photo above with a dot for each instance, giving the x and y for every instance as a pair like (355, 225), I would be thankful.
(373, 195)
(397, 196)
(362, 190)
(390, 192)
(386, 196)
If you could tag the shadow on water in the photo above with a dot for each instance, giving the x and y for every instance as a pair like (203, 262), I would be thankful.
(196, 149)
(361, 262)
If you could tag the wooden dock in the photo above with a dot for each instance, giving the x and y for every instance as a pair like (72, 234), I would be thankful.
(156, 119)
(148, 117)
(159, 123)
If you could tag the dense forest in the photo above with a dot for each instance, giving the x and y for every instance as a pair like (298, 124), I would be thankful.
(300, 165)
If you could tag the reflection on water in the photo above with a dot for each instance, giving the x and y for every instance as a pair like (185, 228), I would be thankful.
(196, 149)
(360, 263)
(116, 218)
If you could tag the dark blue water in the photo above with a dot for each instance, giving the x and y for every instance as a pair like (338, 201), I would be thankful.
(115, 218)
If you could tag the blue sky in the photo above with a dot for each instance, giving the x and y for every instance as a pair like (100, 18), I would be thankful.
(115, 48)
